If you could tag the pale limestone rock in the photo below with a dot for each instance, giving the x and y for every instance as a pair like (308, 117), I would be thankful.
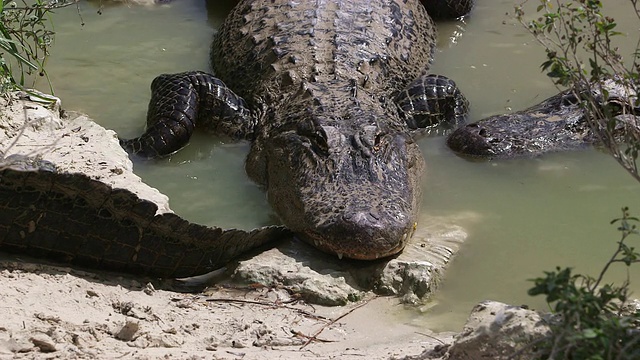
(324, 279)
(43, 342)
(499, 331)
(75, 145)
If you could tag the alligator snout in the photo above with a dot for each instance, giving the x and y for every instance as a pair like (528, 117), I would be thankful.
(472, 139)
(364, 219)
(363, 235)
(367, 227)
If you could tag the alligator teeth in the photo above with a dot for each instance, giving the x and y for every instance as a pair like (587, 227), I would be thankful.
(340, 256)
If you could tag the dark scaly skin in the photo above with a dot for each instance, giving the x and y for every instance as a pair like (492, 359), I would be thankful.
(445, 108)
(178, 102)
(331, 147)
(447, 9)
(556, 124)
(75, 219)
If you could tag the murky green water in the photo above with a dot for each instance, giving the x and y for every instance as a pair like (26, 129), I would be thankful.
(522, 216)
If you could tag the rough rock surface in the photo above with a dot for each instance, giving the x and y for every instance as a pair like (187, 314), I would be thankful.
(30, 127)
(327, 280)
(495, 331)
(57, 312)
(499, 331)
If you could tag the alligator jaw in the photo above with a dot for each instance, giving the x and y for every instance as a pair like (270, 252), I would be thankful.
(355, 227)
(369, 248)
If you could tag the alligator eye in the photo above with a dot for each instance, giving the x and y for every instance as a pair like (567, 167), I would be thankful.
(377, 140)
(320, 141)
(316, 135)
(570, 99)
(614, 107)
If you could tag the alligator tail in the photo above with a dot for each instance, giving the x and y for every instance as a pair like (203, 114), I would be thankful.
(75, 219)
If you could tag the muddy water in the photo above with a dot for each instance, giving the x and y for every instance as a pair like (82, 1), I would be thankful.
(522, 216)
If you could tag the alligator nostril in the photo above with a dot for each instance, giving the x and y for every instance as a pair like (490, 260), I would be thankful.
(362, 219)
(482, 132)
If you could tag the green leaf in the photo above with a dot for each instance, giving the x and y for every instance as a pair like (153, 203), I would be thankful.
(6, 44)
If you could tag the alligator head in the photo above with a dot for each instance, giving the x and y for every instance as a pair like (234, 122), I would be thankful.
(347, 187)
(558, 123)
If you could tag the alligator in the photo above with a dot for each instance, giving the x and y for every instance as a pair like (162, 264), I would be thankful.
(555, 124)
(328, 93)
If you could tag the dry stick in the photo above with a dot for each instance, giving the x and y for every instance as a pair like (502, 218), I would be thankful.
(431, 337)
(295, 296)
(269, 304)
(311, 338)
(314, 336)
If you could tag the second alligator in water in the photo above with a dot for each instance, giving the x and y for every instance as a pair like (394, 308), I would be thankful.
(558, 123)
(330, 94)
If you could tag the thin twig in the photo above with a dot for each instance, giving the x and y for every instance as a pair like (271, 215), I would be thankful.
(268, 304)
(431, 337)
(48, 7)
(300, 334)
(314, 336)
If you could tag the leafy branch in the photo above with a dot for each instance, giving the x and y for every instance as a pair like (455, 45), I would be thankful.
(25, 38)
(592, 319)
(571, 31)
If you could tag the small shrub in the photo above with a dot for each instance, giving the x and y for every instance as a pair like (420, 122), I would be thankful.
(592, 319)
(25, 39)
(581, 54)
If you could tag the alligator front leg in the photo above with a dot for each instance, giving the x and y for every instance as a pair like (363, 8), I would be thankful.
(447, 9)
(433, 103)
(179, 103)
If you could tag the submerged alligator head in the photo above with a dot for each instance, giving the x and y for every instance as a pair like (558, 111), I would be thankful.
(352, 190)
(557, 123)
